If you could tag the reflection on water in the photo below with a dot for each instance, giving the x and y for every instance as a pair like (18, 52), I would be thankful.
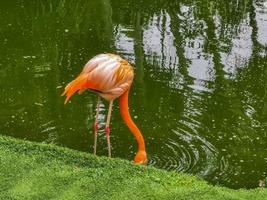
(199, 93)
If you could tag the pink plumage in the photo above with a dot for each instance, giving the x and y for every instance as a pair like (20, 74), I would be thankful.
(107, 74)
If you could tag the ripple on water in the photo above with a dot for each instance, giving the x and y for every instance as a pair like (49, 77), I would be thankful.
(225, 170)
(50, 129)
(187, 151)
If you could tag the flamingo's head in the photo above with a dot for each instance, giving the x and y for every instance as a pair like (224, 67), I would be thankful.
(140, 158)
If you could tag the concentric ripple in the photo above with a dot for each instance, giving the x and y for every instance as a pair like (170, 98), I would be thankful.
(186, 148)
(186, 152)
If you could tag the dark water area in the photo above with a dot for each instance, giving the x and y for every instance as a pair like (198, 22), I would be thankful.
(200, 88)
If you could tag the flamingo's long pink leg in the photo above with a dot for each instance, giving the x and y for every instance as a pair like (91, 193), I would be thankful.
(96, 124)
(107, 129)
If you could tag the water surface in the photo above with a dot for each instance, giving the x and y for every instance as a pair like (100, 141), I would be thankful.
(199, 94)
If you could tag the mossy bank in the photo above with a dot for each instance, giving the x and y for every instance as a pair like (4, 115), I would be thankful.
(38, 171)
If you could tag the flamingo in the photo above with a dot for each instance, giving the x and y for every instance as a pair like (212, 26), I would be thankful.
(110, 76)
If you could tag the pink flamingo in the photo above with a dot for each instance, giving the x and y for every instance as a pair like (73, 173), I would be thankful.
(111, 77)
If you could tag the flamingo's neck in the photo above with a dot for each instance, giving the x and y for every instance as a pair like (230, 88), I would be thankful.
(131, 125)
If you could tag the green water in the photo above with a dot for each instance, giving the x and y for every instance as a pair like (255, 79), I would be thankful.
(200, 89)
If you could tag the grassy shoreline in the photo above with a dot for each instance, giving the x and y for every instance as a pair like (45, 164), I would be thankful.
(32, 170)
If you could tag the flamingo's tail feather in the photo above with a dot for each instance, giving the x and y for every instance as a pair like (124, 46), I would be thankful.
(80, 83)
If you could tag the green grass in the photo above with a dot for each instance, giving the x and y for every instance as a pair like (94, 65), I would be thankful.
(38, 171)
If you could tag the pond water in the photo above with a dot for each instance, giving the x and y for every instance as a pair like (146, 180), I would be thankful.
(200, 89)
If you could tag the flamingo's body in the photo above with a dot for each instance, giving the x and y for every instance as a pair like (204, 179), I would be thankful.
(111, 77)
